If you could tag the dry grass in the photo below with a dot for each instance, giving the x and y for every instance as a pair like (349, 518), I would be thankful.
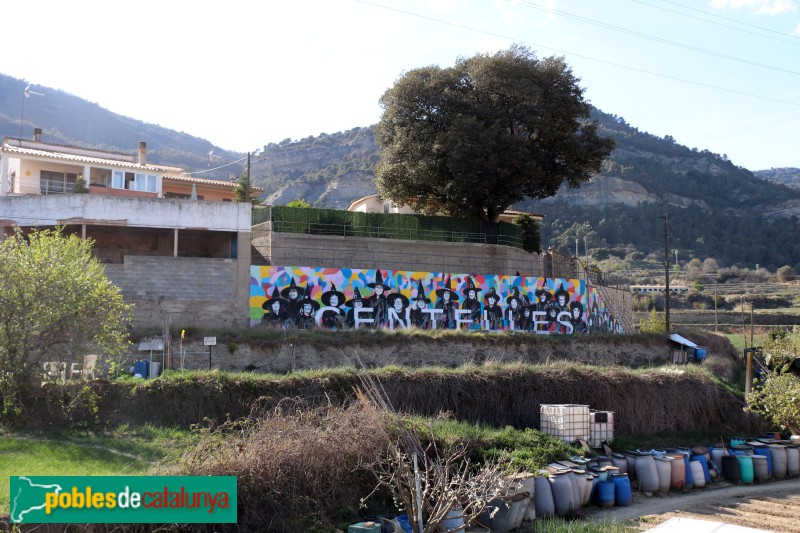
(299, 467)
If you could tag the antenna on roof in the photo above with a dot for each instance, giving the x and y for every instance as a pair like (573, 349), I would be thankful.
(26, 93)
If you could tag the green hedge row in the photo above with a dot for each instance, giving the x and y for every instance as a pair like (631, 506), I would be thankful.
(380, 225)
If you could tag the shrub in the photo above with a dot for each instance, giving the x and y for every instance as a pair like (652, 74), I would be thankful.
(655, 323)
(777, 401)
(785, 274)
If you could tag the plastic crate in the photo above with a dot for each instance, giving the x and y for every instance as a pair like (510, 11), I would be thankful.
(568, 422)
(601, 427)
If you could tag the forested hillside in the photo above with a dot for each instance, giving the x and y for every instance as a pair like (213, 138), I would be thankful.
(69, 119)
(715, 208)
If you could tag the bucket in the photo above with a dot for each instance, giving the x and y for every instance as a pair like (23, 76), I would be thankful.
(454, 520)
(646, 473)
(678, 472)
(764, 451)
(779, 469)
(730, 468)
(698, 473)
(792, 461)
(664, 472)
(405, 525)
(605, 493)
(746, 468)
(545, 506)
(562, 494)
(704, 464)
(760, 471)
(622, 490)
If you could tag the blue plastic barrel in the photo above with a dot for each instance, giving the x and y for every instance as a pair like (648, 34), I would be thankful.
(606, 493)
(764, 450)
(622, 490)
(700, 354)
(405, 525)
(142, 368)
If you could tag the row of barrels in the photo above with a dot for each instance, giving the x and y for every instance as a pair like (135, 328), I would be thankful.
(608, 480)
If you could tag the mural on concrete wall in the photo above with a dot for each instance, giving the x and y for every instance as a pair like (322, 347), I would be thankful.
(340, 299)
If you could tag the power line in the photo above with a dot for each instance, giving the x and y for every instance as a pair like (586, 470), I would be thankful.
(219, 167)
(574, 54)
(725, 18)
(796, 43)
(653, 38)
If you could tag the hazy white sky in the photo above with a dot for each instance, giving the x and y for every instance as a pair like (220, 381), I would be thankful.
(721, 75)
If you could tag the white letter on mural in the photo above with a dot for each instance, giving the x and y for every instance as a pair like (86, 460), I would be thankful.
(433, 312)
(459, 320)
(362, 311)
(565, 321)
(536, 322)
(394, 317)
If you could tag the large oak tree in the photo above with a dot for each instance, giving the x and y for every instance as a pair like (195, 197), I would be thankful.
(473, 139)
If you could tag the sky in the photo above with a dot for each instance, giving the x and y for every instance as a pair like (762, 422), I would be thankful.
(721, 75)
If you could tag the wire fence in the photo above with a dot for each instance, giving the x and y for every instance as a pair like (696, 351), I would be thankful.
(377, 232)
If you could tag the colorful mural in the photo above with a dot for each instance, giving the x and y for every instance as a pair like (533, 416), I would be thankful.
(340, 299)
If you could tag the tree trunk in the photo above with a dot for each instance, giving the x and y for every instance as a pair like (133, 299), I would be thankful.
(491, 230)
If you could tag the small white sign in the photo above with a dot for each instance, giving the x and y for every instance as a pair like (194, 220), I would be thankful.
(209, 341)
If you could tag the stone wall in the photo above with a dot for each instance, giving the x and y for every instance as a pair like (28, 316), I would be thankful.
(298, 351)
(191, 290)
(332, 251)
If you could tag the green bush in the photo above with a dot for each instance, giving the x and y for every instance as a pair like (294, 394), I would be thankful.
(777, 401)
(655, 323)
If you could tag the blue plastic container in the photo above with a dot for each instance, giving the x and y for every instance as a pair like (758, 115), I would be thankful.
(405, 525)
(700, 354)
(622, 490)
(142, 368)
(606, 493)
(759, 450)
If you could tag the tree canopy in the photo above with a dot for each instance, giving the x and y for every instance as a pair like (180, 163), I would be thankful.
(55, 301)
(475, 138)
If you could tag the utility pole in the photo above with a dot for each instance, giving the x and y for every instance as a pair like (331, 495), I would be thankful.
(247, 189)
(716, 317)
(666, 271)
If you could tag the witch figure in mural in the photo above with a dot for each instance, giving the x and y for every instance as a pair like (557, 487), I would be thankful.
(544, 300)
(332, 298)
(561, 297)
(292, 294)
(576, 318)
(308, 307)
(592, 319)
(494, 313)
(526, 320)
(472, 303)
(274, 310)
(398, 302)
(355, 303)
(513, 312)
(447, 301)
(377, 301)
(418, 303)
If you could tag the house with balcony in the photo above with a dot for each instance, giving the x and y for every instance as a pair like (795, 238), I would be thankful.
(176, 245)
(32, 166)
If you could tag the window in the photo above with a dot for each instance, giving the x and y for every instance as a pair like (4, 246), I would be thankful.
(134, 181)
(56, 182)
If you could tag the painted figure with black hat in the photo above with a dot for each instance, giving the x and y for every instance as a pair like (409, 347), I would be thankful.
(472, 303)
(544, 300)
(494, 314)
(274, 310)
(292, 294)
(576, 318)
(354, 303)
(561, 297)
(308, 306)
(377, 301)
(397, 302)
(513, 312)
(333, 319)
(447, 301)
(418, 303)
(526, 320)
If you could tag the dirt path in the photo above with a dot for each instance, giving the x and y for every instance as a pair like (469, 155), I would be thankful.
(773, 506)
